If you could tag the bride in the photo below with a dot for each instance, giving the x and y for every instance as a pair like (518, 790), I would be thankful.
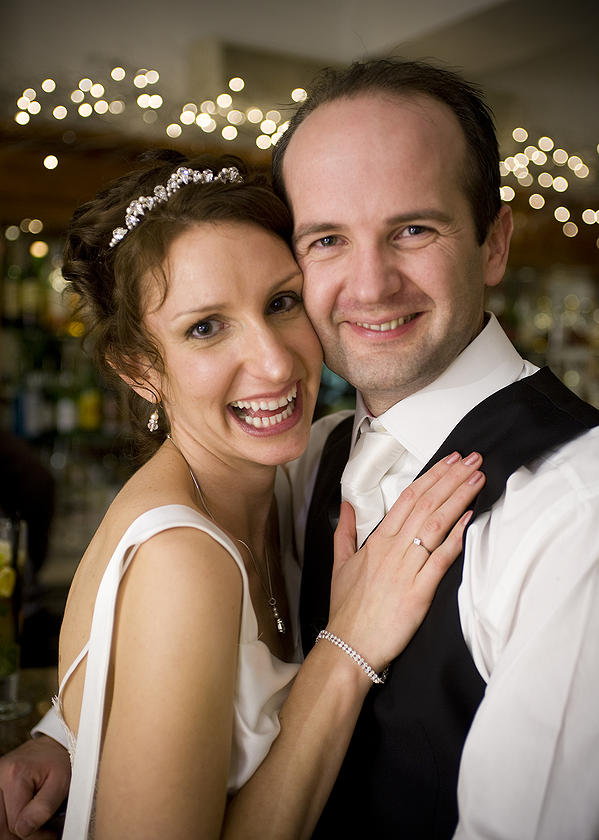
(187, 713)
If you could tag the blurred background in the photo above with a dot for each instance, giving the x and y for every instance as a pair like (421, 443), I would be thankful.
(85, 88)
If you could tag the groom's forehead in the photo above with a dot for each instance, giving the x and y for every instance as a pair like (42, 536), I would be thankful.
(349, 126)
(366, 142)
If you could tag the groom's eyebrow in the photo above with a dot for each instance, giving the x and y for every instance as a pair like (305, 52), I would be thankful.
(418, 214)
(312, 229)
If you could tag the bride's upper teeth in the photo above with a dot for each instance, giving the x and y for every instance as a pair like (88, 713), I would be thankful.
(386, 325)
(267, 405)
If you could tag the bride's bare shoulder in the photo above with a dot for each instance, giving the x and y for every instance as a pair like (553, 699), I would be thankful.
(162, 480)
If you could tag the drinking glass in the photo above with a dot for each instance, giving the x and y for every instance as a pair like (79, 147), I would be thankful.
(13, 548)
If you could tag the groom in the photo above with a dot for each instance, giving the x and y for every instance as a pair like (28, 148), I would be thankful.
(488, 723)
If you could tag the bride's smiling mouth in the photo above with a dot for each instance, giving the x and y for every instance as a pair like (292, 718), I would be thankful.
(268, 415)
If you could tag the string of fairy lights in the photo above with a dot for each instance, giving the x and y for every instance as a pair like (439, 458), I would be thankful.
(550, 168)
(135, 97)
(132, 100)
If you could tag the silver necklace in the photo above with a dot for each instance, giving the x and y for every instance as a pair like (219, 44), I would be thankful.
(268, 590)
(271, 600)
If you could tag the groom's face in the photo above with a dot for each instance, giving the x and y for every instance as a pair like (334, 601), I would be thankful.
(384, 233)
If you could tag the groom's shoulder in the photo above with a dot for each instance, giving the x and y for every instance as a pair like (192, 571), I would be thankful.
(302, 472)
(321, 430)
(324, 426)
(327, 428)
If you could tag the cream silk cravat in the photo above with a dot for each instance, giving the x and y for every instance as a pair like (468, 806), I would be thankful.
(375, 453)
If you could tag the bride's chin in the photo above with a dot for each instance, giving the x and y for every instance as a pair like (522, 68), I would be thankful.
(277, 449)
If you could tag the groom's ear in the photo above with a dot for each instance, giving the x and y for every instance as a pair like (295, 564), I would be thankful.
(496, 247)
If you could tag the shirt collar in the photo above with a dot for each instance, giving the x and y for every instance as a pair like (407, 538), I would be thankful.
(422, 421)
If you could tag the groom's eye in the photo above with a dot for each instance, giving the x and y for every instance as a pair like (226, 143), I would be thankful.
(327, 241)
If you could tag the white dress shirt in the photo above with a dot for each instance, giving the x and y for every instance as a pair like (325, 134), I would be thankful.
(528, 604)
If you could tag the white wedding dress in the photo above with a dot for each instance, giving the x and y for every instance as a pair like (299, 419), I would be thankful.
(263, 681)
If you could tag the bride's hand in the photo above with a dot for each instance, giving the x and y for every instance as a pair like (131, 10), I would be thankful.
(381, 594)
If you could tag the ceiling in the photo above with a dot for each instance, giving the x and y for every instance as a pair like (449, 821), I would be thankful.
(60, 36)
(537, 60)
(535, 56)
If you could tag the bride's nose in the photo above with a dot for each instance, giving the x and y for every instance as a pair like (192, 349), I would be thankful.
(267, 355)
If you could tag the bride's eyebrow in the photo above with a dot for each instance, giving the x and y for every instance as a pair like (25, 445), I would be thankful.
(293, 275)
(199, 311)
(212, 308)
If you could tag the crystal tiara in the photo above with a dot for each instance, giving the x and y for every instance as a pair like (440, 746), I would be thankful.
(136, 210)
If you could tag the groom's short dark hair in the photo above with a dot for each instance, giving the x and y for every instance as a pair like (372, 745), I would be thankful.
(413, 78)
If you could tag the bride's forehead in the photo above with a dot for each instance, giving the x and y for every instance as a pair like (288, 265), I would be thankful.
(224, 265)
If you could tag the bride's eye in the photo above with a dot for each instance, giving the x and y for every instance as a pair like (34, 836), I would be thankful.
(284, 303)
(205, 329)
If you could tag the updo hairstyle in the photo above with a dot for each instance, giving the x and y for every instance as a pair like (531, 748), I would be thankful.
(109, 282)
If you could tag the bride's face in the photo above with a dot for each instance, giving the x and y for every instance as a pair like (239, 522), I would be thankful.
(242, 362)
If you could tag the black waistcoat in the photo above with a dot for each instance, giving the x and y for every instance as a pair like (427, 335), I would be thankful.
(399, 777)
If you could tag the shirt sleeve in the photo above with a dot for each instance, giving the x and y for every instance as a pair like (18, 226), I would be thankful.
(529, 605)
(52, 726)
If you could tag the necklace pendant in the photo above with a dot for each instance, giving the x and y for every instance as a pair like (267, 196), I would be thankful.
(277, 616)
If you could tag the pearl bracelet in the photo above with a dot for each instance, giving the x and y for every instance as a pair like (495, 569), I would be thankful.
(359, 660)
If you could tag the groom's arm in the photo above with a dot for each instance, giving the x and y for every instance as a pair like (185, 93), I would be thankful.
(34, 781)
(52, 726)
(530, 762)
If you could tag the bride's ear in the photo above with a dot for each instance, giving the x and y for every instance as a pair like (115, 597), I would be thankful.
(145, 390)
(143, 379)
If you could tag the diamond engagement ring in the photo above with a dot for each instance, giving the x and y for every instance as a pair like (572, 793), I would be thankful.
(418, 541)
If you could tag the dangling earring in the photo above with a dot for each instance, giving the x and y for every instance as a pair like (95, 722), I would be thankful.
(153, 420)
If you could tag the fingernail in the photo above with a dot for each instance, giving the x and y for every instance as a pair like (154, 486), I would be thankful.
(471, 459)
(475, 477)
(453, 458)
(467, 517)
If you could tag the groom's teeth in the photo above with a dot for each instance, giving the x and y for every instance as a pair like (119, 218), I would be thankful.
(387, 325)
